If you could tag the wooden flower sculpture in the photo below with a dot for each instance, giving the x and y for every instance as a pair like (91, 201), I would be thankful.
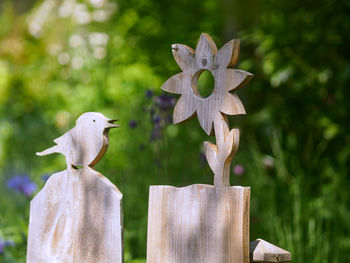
(213, 109)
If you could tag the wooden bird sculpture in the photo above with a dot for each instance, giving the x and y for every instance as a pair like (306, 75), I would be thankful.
(85, 144)
(77, 217)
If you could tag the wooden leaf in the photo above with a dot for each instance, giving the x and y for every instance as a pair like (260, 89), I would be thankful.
(211, 151)
(219, 156)
(235, 135)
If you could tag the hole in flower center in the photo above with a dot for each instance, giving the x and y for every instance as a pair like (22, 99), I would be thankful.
(203, 84)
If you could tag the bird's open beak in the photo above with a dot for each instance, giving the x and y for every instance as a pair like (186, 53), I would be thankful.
(111, 124)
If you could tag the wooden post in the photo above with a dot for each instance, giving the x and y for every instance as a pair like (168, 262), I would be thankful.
(77, 216)
(204, 223)
(198, 223)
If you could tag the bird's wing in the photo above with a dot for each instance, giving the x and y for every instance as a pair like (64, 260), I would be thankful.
(62, 139)
(58, 140)
(53, 149)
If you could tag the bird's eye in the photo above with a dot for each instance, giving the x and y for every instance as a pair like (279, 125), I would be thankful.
(93, 120)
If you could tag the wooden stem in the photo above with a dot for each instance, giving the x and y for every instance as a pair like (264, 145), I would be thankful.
(220, 156)
(223, 178)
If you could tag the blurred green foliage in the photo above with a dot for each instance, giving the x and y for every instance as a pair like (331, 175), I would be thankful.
(61, 58)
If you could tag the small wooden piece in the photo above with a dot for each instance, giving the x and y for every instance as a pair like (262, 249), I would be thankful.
(213, 109)
(198, 223)
(77, 217)
(263, 251)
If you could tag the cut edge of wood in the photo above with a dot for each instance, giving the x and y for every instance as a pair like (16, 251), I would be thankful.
(198, 185)
(103, 178)
(263, 251)
(158, 234)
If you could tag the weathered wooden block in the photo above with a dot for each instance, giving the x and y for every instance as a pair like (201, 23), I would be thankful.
(77, 217)
(263, 251)
(198, 223)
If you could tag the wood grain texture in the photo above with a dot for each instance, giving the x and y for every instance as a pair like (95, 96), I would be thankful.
(263, 251)
(86, 143)
(193, 64)
(198, 223)
(77, 217)
(220, 156)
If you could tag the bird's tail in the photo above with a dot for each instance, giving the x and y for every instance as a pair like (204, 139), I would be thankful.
(53, 149)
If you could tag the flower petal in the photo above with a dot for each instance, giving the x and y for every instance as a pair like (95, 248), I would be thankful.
(232, 105)
(221, 128)
(183, 110)
(236, 79)
(206, 46)
(206, 115)
(184, 56)
(227, 55)
(177, 83)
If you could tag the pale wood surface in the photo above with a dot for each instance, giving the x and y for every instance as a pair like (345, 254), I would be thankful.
(85, 144)
(263, 251)
(211, 111)
(219, 156)
(76, 218)
(198, 223)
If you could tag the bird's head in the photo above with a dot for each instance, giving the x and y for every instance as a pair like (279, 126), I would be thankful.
(96, 119)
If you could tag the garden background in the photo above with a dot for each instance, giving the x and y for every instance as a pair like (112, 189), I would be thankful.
(60, 58)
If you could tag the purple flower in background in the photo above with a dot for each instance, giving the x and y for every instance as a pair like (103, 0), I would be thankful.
(4, 244)
(132, 124)
(170, 119)
(22, 184)
(155, 135)
(156, 120)
(238, 169)
(149, 94)
(165, 102)
(159, 113)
